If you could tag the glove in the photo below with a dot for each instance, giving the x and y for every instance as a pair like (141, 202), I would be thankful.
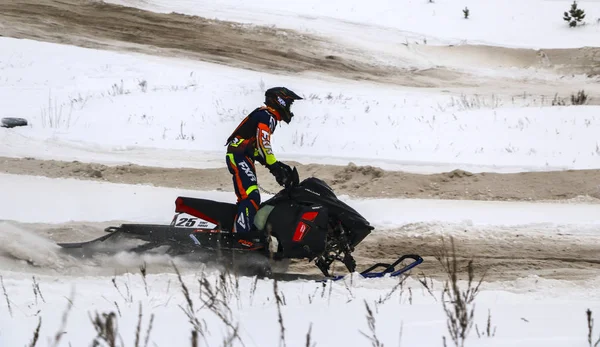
(282, 173)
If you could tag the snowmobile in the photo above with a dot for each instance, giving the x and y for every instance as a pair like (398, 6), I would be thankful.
(305, 220)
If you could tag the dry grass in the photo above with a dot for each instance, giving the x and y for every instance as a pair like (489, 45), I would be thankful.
(279, 302)
(398, 287)
(143, 272)
(309, 337)
(371, 323)
(36, 333)
(458, 303)
(198, 327)
(489, 332)
(580, 98)
(107, 330)
(139, 328)
(63, 325)
(590, 323)
(128, 297)
(37, 291)
(6, 296)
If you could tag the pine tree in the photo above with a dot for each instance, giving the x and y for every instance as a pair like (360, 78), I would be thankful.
(574, 16)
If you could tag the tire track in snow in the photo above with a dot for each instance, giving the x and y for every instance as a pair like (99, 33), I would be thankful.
(506, 253)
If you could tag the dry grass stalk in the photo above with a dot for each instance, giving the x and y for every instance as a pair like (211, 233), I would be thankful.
(106, 329)
(489, 332)
(139, 327)
(129, 297)
(143, 272)
(309, 337)
(461, 308)
(36, 291)
(6, 296)
(217, 302)
(189, 311)
(36, 333)
(397, 286)
(148, 330)
(371, 322)
(427, 283)
(590, 321)
(278, 301)
(63, 325)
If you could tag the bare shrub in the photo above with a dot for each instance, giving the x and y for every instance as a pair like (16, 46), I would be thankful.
(182, 135)
(557, 101)
(197, 325)
(53, 116)
(107, 329)
(118, 89)
(143, 84)
(217, 300)
(580, 98)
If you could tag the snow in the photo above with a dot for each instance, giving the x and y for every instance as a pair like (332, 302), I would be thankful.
(511, 23)
(64, 200)
(530, 311)
(335, 313)
(114, 108)
(91, 105)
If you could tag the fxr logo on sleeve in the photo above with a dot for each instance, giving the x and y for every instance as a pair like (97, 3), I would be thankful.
(266, 140)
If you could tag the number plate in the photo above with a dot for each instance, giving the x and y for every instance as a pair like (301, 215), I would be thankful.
(184, 220)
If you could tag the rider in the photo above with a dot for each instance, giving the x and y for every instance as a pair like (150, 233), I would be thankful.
(251, 141)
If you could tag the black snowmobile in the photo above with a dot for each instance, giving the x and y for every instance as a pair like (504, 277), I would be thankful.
(306, 219)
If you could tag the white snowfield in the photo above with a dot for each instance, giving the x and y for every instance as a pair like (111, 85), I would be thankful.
(92, 105)
(65, 200)
(510, 23)
(553, 316)
(527, 312)
(114, 108)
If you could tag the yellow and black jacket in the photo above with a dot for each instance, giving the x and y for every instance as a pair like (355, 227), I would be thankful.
(252, 137)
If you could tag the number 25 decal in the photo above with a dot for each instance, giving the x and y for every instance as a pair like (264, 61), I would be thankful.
(187, 222)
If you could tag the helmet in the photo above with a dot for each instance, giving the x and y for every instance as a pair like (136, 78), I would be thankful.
(281, 98)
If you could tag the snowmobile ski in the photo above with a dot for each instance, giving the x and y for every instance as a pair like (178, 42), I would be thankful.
(389, 269)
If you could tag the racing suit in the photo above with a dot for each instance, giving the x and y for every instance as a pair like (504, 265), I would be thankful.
(250, 142)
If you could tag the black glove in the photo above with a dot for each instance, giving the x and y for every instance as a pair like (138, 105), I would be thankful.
(282, 173)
